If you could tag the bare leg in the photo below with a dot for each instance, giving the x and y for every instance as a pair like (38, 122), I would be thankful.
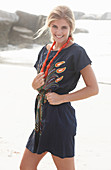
(64, 164)
(30, 160)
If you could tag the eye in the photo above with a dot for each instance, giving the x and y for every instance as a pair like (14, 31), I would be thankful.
(64, 27)
(54, 26)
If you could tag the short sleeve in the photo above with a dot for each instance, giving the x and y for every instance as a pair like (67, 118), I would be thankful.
(36, 63)
(38, 58)
(83, 60)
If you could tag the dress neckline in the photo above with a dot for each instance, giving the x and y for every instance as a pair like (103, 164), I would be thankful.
(62, 49)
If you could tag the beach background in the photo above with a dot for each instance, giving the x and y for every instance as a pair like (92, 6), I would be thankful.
(93, 139)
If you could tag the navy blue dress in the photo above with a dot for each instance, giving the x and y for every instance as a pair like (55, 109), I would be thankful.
(58, 122)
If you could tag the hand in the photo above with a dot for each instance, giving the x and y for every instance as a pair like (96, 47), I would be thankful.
(38, 81)
(54, 98)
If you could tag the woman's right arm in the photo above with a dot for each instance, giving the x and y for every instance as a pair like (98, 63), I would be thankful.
(38, 81)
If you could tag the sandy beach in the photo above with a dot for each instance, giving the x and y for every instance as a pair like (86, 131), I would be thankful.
(93, 140)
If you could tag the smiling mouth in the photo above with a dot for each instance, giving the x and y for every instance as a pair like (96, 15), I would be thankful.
(59, 37)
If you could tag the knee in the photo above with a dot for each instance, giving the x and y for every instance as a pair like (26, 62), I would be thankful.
(26, 167)
(21, 167)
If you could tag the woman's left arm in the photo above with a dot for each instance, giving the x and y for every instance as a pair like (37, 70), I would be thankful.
(91, 89)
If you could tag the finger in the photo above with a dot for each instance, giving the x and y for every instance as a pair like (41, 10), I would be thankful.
(42, 83)
(37, 78)
(48, 97)
(40, 79)
(37, 82)
(48, 94)
(40, 74)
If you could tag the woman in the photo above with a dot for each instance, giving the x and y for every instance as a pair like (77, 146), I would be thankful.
(59, 67)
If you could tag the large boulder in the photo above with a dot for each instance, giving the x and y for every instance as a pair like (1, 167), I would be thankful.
(30, 21)
(80, 30)
(78, 14)
(89, 16)
(6, 22)
(45, 38)
(106, 16)
(21, 37)
(6, 16)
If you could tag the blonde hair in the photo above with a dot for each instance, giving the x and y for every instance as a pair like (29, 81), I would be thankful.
(59, 12)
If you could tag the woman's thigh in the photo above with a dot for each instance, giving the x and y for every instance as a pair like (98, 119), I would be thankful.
(64, 164)
(30, 160)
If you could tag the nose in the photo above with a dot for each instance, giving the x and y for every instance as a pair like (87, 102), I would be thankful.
(59, 31)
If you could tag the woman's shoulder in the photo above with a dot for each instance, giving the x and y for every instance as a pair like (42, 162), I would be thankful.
(77, 49)
(78, 46)
(48, 46)
(42, 50)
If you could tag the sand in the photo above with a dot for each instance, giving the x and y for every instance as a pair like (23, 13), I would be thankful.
(93, 139)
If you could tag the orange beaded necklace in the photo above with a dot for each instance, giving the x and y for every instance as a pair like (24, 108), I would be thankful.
(48, 66)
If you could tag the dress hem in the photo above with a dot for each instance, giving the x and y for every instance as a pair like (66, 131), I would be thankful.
(62, 157)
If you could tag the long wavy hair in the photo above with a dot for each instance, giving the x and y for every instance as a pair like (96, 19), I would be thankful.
(59, 12)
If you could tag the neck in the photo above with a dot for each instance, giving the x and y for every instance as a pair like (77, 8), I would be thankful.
(57, 46)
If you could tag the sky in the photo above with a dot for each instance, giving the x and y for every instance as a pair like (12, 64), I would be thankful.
(45, 6)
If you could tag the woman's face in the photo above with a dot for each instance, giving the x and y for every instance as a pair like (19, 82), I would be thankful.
(60, 30)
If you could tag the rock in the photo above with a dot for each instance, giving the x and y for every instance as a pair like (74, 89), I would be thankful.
(21, 36)
(78, 14)
(18, 29)
(106, 16)
(30, 21)
(82, 15)
(89, 16)
(4, 30)
(80, 30)
(10, 17)
(6, 22)
(45, 38)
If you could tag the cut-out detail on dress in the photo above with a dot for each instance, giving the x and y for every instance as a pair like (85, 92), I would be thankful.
(59, 79)
(59, 63)
(60, 70)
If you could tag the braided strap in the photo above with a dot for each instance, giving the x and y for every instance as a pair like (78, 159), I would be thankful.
(44, 64)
